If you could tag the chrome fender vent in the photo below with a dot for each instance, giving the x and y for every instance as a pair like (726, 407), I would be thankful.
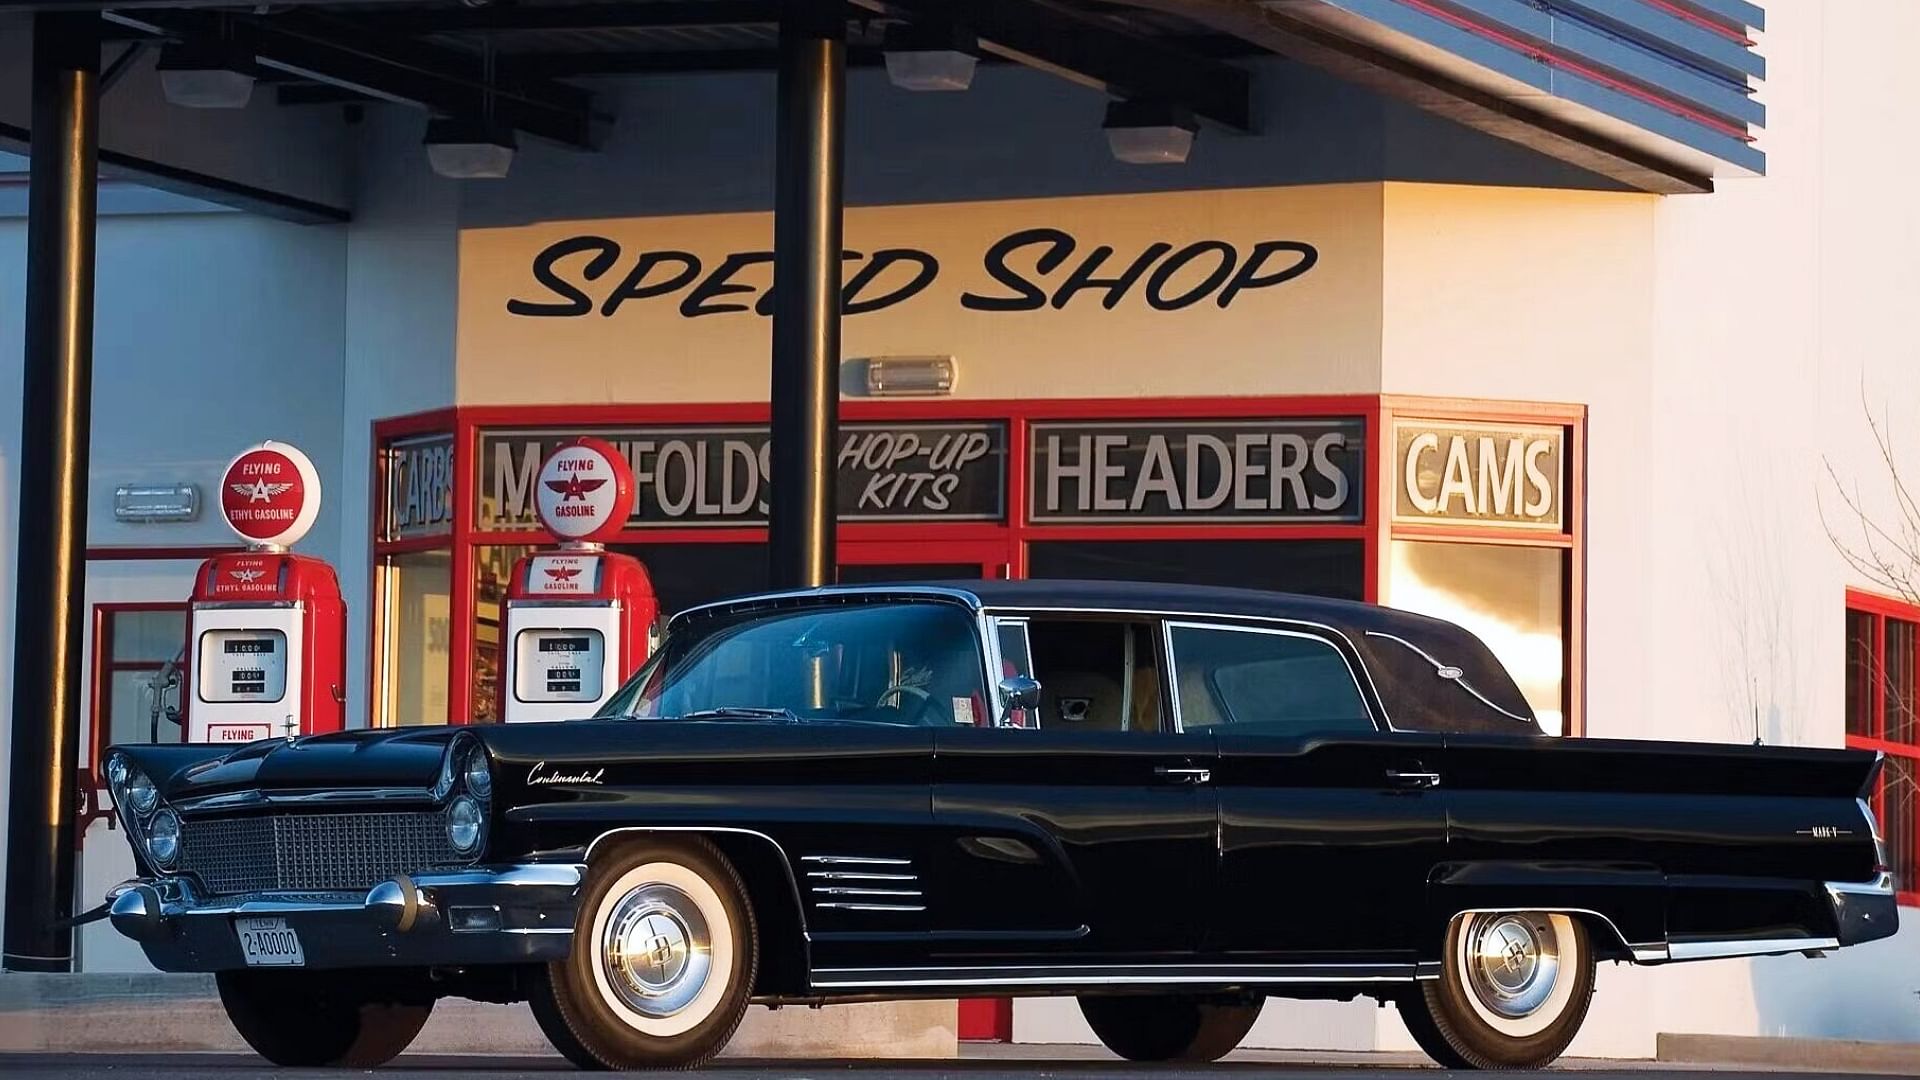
(863, 883)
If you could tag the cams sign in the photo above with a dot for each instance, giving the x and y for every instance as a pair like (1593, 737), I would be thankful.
(717, 475)
(1240, 471)
(1480, 474)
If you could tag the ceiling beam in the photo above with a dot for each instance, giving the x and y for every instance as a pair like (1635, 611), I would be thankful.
(1099, 52)
(656, 14)
(445, 81)
(690, 61)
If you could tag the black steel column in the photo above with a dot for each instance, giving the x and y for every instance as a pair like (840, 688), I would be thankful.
(806, 302)
(55, 408)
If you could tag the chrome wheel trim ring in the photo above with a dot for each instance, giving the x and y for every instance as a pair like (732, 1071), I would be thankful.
(656, 949)
(655, 991)
(1517, 969)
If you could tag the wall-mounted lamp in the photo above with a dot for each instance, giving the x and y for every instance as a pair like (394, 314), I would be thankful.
(206, 74)
(930, 57)
(1149, 132)
(911, 376)
(469, 149)
(156, 502)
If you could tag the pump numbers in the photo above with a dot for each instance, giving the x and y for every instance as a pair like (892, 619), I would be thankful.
(269, 943)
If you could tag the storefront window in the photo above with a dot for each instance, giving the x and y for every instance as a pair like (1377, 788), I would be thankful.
(1513, 598)
(1335, 568)
(1883, 656)
(493, 570)
(417, 636)
(141, 672)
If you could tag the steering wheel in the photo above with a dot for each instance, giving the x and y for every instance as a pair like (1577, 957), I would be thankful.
(897, 689)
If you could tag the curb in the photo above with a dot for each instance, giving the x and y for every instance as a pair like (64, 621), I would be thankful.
(145, 1013)
(1831, 1055)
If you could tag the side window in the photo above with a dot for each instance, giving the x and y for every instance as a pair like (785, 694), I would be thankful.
(1263, 681)
(1095, 675)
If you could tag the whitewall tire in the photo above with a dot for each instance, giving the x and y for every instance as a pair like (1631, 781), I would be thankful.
(663, 960)
(1512, 993)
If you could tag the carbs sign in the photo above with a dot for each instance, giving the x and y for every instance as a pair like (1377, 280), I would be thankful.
(1479, 474)
(1241, 471)
(716, 475)
(419, 487)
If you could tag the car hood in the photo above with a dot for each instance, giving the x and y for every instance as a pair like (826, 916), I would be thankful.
(388, 759)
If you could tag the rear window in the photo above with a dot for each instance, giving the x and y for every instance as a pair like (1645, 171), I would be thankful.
(1434, 676)
(1264, 682)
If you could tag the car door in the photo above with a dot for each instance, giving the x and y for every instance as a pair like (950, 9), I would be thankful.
(1329, 825)
(1082, 828)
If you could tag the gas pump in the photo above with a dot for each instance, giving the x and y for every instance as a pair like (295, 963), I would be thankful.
(579, 619)
(267, 629)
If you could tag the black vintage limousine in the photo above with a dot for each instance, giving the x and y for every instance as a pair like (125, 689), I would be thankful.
(1172, 803)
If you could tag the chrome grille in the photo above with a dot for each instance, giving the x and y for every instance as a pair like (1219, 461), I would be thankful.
(275, 852)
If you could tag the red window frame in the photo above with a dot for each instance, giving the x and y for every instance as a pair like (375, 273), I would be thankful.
(1874, 696)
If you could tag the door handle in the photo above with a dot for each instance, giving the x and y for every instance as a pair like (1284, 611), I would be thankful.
(1184, 774)
(1414, 778)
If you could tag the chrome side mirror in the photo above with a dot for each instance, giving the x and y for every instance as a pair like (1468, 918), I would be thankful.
(1019, 692)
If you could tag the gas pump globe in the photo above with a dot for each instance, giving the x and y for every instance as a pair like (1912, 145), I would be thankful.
(267, 629)
(577, 619)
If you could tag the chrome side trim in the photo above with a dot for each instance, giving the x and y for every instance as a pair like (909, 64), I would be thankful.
(849, 875)
(785, 863)
(1240, 974)
(1645, 953)
(837, 905)
(1715, 950)
(829, 890)
(854, 860)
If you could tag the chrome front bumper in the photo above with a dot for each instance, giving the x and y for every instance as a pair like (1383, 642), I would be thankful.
(484, 915)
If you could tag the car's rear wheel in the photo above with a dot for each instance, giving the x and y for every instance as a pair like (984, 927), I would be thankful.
(316, 1019)
(1165, 1027)
(663, 960)
(1512, 992)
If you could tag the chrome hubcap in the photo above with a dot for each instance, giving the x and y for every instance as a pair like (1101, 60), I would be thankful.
(656, 950)
(1513, 962)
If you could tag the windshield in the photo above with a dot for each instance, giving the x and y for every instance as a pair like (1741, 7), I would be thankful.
(889, 663)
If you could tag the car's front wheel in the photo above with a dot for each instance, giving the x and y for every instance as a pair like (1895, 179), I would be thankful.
(1166, 1027)
(1511, 994)
(316, 1019)
(663, 960)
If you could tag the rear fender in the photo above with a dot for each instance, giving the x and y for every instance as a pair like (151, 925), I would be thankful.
(1624, 905)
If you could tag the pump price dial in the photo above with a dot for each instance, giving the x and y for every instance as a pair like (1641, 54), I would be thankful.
(554, 665)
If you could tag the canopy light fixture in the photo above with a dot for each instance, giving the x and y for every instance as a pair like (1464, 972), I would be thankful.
(207, 74)
(469, 149)
(1149, 132)
(910, 376)
(928, 57)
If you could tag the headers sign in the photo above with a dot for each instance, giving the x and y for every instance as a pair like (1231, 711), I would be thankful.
(1479, 474)
(1243, 471)
(717, 475)
(419, 487)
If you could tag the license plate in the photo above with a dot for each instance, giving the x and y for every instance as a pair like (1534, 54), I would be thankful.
(269, 943)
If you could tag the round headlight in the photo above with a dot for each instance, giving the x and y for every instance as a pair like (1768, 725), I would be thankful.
(141, 794)
(478, 776)
(163, 839)
(463, 825)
